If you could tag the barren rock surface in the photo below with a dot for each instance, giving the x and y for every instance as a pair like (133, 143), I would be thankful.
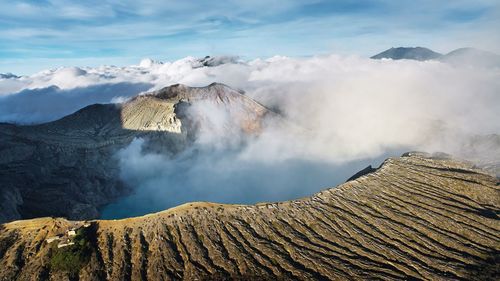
(416, 217)
(66, 167)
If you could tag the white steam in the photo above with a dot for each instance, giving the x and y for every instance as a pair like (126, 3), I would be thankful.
(338, 110)
(209, 173)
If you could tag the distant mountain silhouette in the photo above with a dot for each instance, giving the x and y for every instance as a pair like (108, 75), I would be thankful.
(8, 75)
(471, 56)
(461, 56)
(409, 53)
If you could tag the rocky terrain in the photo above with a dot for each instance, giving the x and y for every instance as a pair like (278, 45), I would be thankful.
(415, 217)
(66, 167)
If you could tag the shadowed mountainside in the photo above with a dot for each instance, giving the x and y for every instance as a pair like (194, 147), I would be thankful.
(416, 217)
(409, 53)
(66, 167)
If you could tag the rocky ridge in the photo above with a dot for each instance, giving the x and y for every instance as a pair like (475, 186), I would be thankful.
(415, 217)
(67, 167)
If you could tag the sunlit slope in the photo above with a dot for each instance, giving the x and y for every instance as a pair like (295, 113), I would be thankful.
(68, 167)
(415, 217)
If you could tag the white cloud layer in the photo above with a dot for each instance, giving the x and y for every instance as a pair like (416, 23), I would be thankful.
(351, 94)
(342, 109)
(349, 105)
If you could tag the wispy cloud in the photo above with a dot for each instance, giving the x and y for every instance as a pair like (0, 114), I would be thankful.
(172, 29)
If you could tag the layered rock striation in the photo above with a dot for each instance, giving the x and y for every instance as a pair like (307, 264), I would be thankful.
(67, 167)
(415, 217)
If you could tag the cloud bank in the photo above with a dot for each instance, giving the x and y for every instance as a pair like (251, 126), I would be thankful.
(342, 112)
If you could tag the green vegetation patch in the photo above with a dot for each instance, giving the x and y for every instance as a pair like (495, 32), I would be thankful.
(73, 258)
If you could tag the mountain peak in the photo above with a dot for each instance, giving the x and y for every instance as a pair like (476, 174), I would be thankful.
(463, 56)
(183, 92)
(8, 75)
(472, 57)
(170, 118)
(411, 53)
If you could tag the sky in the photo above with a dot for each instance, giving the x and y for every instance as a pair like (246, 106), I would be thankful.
(45, 34)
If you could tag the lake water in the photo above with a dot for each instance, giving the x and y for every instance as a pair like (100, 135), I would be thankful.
(247, 183)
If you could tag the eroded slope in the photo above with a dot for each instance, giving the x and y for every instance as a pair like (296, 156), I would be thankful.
(414, 218)
(66, 167)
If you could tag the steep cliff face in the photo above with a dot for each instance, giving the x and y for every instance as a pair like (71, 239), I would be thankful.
(66, 167)
(416, 217)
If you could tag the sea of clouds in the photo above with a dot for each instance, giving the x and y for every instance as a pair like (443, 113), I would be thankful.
(350, 105)
(346, 112)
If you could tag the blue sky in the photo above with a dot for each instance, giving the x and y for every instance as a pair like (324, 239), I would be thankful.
(36, 35)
